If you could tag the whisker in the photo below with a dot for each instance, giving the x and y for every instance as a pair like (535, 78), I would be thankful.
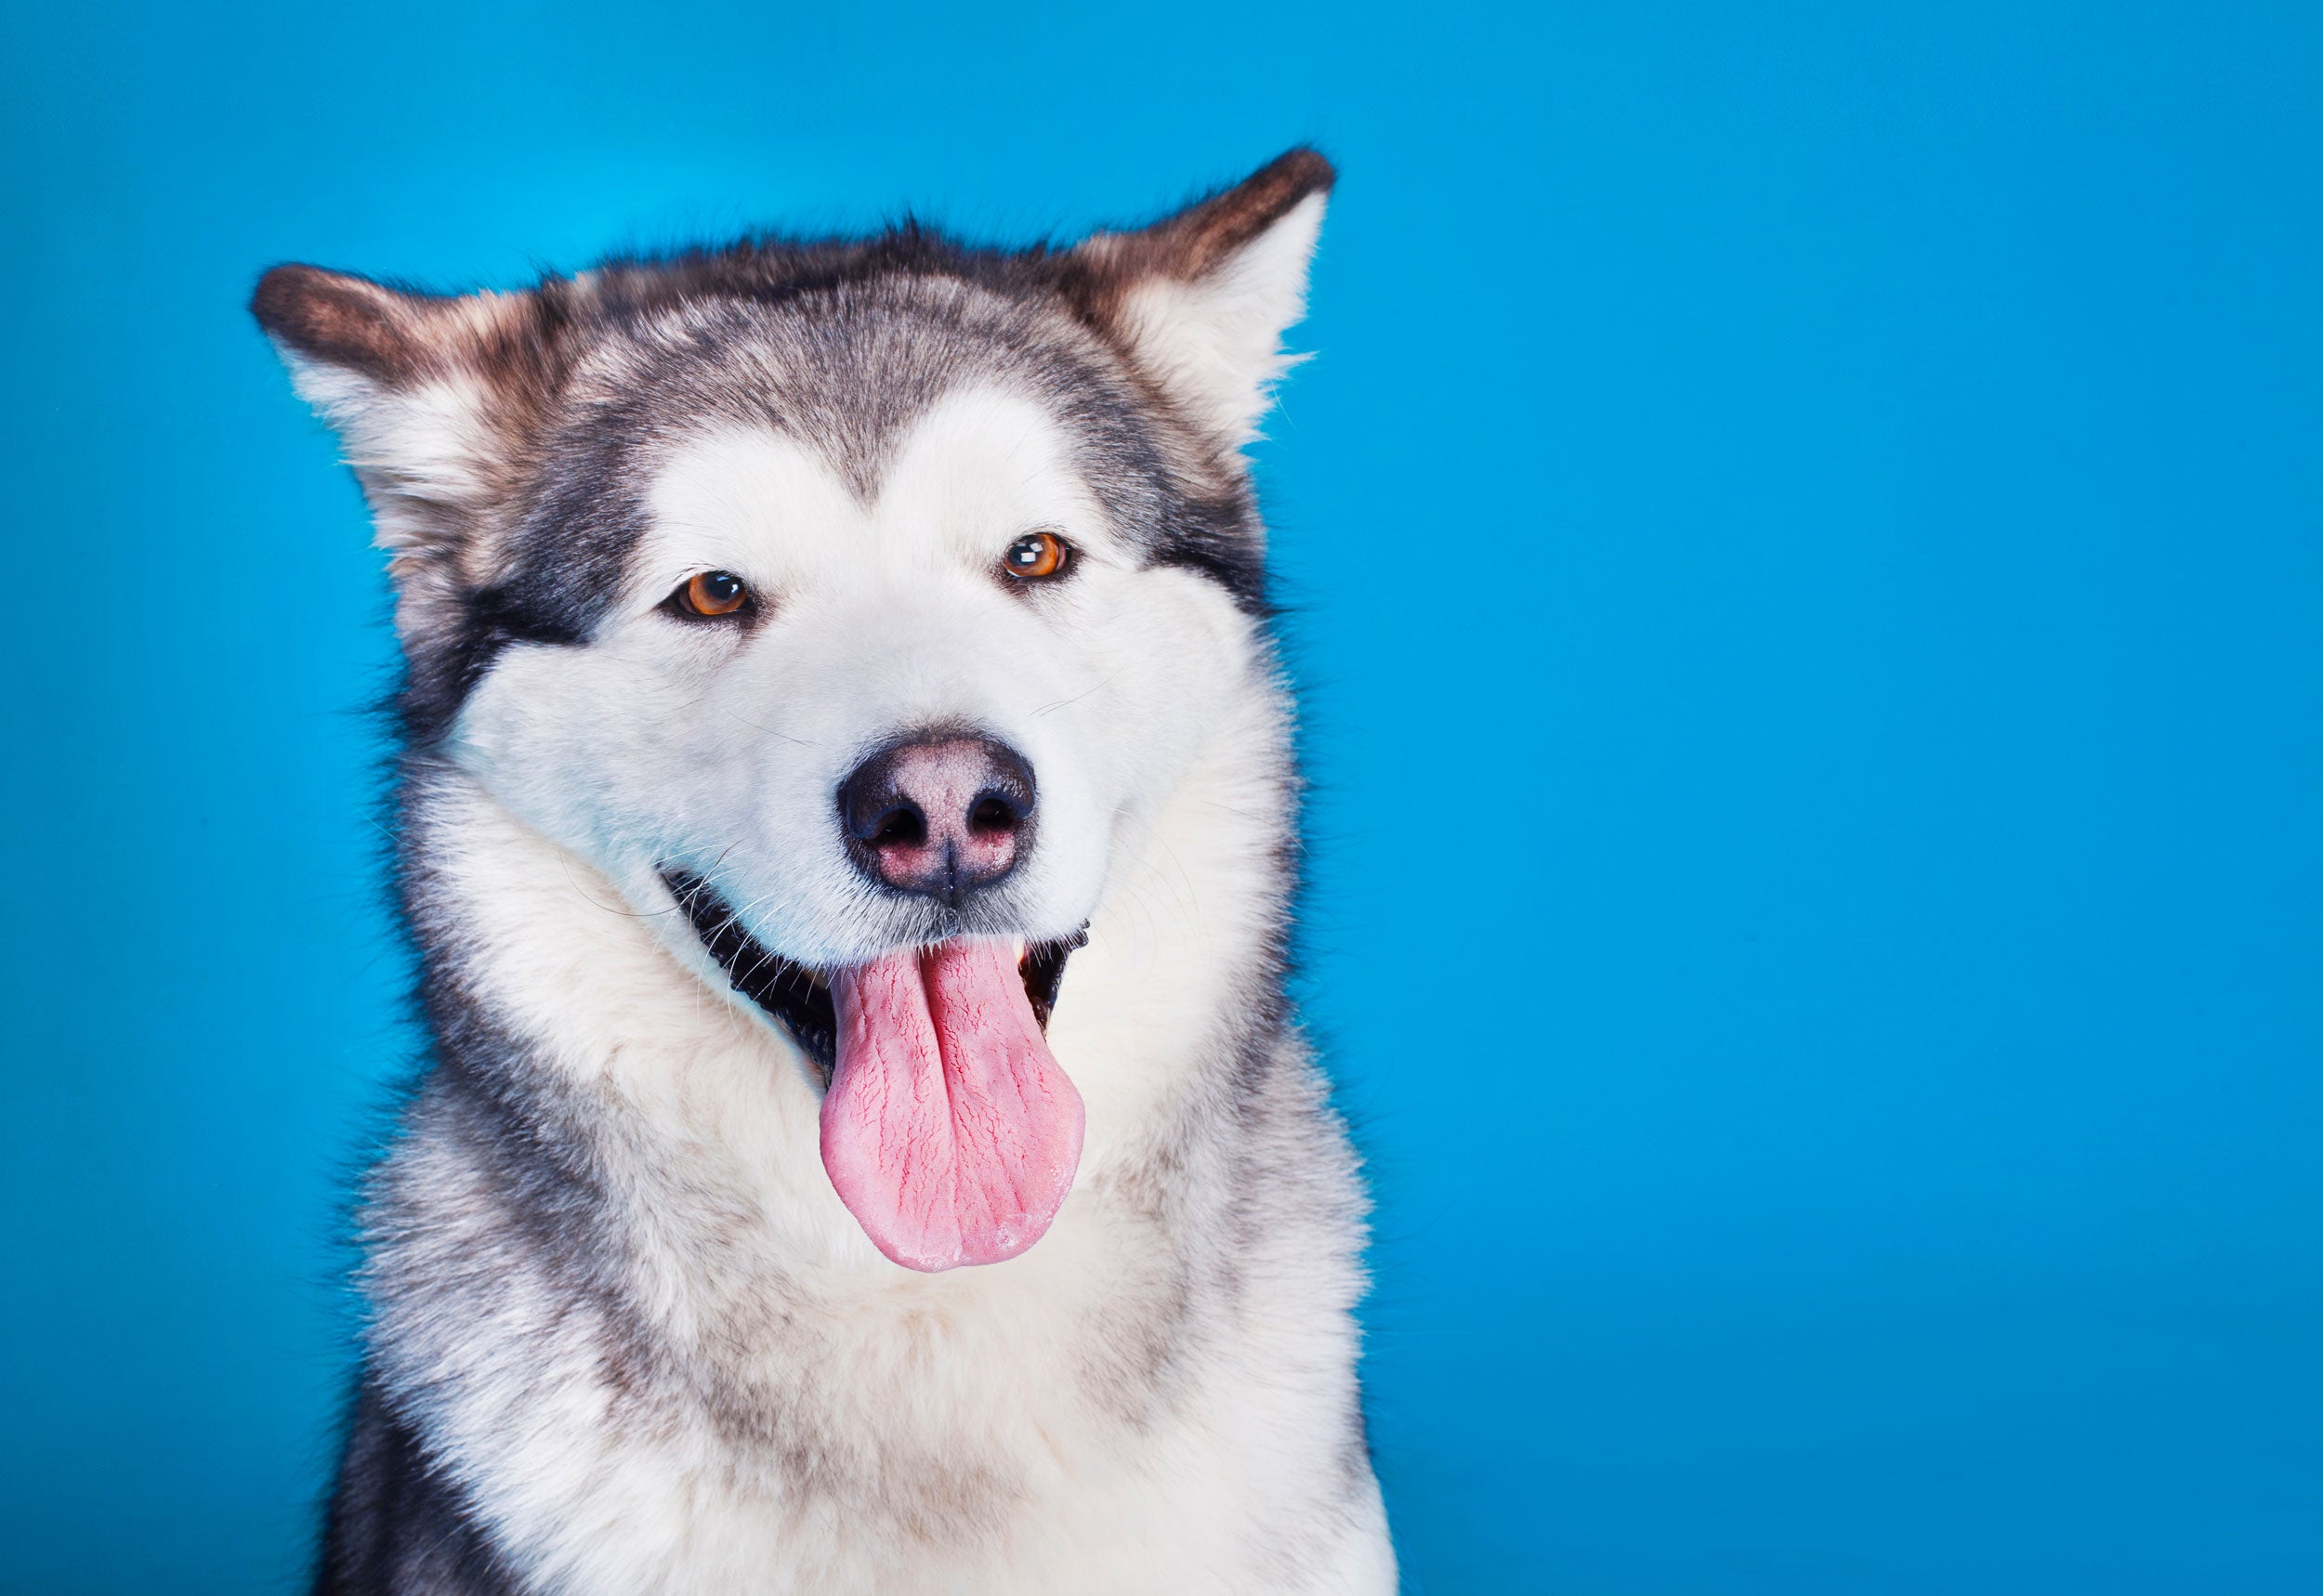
(1063, 703)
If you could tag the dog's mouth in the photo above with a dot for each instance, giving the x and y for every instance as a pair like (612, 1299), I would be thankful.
(948, 1128)
(799, 996)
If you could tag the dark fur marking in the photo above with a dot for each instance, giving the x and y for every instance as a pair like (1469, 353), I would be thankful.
(397, 1524)
(345, 321)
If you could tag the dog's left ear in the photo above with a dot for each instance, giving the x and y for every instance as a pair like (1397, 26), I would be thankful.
(1201, 300)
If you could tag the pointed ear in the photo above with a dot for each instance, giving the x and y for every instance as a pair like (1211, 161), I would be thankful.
(424, 391)
(1201, 300)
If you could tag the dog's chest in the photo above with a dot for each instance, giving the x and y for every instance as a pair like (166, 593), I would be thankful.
(893, 1441)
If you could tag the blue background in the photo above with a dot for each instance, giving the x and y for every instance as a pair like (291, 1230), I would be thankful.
(1803, 535)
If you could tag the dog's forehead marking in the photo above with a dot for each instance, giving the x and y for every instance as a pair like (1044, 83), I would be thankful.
(848, 372)
(977, 462)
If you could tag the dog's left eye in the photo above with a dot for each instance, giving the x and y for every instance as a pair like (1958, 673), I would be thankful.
(1035, 556)
(711, 595)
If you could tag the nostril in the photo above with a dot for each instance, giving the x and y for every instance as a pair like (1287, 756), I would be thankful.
(993, 814)
(901, 827)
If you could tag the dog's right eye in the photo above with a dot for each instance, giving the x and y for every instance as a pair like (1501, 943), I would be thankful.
(711, 595)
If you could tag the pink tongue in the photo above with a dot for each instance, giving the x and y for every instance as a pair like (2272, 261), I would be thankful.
(949, 1130)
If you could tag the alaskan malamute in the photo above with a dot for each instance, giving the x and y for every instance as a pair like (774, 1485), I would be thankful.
(847, 826)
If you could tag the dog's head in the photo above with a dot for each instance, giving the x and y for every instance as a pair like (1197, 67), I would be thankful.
(853, 595)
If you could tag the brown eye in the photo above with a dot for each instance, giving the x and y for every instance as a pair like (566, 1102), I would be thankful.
(1034, 555)
(713, 593)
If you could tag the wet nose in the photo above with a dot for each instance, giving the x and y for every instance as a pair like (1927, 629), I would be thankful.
(939, 816)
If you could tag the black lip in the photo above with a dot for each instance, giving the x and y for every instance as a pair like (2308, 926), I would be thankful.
(799, 998)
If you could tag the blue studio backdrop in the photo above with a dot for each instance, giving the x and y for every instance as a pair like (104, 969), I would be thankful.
(1803, 544)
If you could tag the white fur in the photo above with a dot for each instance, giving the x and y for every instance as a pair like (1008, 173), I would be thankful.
(412, 446)
(420, 451)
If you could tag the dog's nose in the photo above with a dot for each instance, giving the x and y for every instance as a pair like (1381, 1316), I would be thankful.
(939, 816)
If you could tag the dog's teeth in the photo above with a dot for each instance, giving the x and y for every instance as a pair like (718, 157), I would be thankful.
(1022, 948)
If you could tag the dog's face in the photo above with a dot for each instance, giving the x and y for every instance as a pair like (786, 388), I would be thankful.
(810, 640)
(858, 597)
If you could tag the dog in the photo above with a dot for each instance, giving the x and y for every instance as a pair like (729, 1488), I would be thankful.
(846, 824)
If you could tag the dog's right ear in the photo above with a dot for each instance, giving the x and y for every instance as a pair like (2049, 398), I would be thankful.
(428, 395)
(1200, 299)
